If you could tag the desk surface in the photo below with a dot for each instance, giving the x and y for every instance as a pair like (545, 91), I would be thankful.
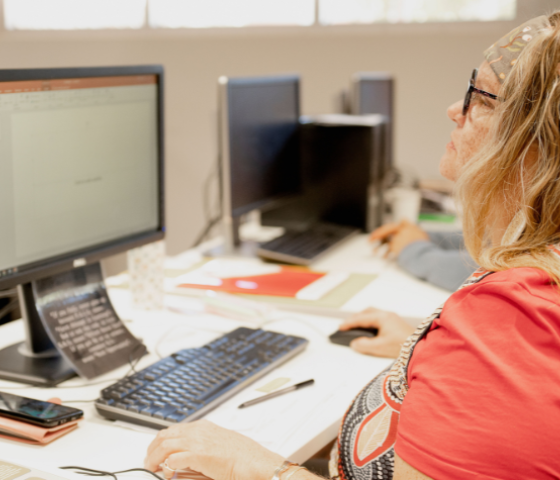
(295, 425)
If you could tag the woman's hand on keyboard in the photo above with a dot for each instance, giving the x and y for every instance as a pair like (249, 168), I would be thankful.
(216, 452)
(398, 236)
(392, 332)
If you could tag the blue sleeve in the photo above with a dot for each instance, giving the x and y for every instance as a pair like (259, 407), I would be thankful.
(448, 240)
(447, 269)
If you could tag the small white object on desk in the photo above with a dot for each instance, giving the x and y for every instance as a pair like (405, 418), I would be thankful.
(319, 288)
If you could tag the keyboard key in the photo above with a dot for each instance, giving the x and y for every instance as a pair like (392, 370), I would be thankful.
(116, 395)
(164, 412)
(176, 417)
(218, 388)
(149, 411)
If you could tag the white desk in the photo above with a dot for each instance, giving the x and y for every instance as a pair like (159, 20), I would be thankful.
(295, 425)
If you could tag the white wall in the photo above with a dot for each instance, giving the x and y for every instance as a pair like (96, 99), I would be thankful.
(431, 64)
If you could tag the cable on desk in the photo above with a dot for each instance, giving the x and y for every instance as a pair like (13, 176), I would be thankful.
(131, 362)
(64, 402)
(134, 363)
(90, 472)
(166, 334)
(89, 384)
(298, 320)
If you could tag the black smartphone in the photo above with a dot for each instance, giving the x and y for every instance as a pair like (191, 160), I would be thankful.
(36, 412)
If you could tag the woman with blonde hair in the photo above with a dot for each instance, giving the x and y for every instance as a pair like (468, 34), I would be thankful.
(474, 392)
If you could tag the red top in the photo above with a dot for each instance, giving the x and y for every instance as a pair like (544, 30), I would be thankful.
(484, 398)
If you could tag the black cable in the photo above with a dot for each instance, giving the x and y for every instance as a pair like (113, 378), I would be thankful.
(134, 363)
(131, 362)
(65, 402)
(100, 473)
(9, 308)
(205, 232)
(8, 293)
(215, 173)
(206, 201)
(60, 387)
(132, 369)
(90, 472)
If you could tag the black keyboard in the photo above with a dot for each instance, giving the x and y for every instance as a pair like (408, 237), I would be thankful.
(191, 382)
(303, 248)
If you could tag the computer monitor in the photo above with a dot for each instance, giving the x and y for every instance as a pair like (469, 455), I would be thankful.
(373, 93)
(81, 175)
(258, 145)
(342, 168)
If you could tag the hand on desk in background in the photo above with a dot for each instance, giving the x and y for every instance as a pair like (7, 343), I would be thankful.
(398, 236)
(393, 331)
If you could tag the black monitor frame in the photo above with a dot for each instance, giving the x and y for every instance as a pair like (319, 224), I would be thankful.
(61, 263)
(358, 107)
(231, 216)
(37, 361)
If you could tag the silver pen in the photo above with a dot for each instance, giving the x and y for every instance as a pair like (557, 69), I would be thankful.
(293, 388)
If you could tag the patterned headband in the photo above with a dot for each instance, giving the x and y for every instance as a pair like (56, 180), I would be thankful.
(503, 55)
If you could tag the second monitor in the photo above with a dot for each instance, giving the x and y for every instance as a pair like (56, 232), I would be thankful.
(259, 155)
(313, 177)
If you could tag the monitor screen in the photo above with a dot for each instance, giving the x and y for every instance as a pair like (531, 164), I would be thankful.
(79, 165)
(374, 94)
(261, 151)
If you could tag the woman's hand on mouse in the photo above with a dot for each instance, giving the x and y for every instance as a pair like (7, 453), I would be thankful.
(392, 332)
(214, 451)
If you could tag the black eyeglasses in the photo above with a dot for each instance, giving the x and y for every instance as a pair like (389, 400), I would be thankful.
(472, 89)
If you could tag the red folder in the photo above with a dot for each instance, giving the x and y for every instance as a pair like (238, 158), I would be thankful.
(286, 283)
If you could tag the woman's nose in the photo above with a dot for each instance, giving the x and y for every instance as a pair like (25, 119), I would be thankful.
(455, 113)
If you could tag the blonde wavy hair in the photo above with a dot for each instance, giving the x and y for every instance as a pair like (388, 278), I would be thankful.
(517, 173)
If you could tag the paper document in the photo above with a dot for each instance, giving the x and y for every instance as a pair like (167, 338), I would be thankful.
(13, 471)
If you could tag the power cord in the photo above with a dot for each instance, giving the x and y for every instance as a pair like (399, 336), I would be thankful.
(206, 231)
(132, 362)
(211, 220)
(8, 293)
(298, 320)
(90, 472)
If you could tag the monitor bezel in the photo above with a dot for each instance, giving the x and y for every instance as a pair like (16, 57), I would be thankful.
(225, 83)
(357, 81)
(64, 262)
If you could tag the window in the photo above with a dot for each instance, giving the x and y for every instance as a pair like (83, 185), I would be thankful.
(336, 12)
(123, 14)
(230, 13)
(73, 14)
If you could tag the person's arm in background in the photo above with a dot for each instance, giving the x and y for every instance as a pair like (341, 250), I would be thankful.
(438, 258)
(446, 269)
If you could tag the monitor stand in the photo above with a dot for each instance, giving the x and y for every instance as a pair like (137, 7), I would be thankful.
(35, 361)
(233, 246)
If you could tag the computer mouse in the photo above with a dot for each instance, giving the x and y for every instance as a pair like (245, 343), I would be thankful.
(344, 337)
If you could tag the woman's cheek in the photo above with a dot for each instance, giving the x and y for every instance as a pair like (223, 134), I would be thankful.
(447, 165)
